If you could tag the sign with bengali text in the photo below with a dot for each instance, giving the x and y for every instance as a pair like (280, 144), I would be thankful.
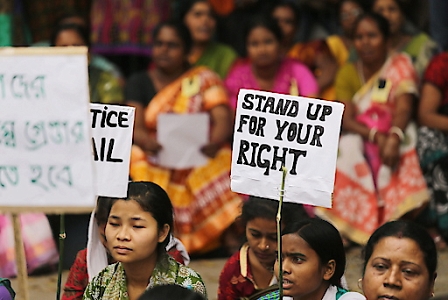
(45, 129)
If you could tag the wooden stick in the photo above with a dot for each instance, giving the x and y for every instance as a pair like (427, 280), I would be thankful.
(22, 272)
(279, 234)
(62, 236)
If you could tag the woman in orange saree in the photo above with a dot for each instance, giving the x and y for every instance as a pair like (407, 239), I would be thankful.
(203, 203)
(378, 177)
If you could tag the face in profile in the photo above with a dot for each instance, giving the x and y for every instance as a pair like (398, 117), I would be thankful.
(200, 22)
(397, 270)
(133, 234)
(304, 275)
(261, 236)
(263, 48)
(390, 10)
(369, 42)
(168, 52)
(69, 37)
(286, 20)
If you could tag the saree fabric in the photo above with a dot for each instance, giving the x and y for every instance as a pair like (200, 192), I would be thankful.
(218, 57)
(432, 146)
(421, 48)
(292, 78)
(368, 193)
(236, 280)
(111, 282)
(204, 205)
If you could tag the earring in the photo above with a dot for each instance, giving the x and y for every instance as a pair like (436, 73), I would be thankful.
(432, 295)
(360, 283)
(267, 246)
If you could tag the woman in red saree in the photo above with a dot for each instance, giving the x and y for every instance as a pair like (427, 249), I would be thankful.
(203, 203)
(378, 177)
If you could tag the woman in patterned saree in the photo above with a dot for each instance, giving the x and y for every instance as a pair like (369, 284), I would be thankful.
(433, 147)
(203, 203)
(378, 177)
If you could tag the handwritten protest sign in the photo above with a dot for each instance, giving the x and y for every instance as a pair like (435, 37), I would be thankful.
(112, 127)
(300, 133)
(46, 152)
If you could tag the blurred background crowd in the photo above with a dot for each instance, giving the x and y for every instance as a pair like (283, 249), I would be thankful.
(386, 60)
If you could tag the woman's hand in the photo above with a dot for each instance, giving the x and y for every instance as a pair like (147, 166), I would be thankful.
(151, 146)
(390, 150)
(211, 149)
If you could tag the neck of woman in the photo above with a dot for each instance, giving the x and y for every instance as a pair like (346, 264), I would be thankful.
(196, 51)
(162, 77)
(138, 273)
(369, 69)
(266, 72)
(398, 40)
(317, 294)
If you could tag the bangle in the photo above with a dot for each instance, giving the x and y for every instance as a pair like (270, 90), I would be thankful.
(372, 133)
(397, 130)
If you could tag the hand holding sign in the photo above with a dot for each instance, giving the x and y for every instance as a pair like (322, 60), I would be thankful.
(274, 130)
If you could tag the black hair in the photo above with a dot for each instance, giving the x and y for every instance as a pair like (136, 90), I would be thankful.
(181, 30)
(153, 199)
(325, 240)
(380, 21)
(170, 292)
(404, 229)
(257, 207)
(186, 5)
(292, 6)
(264, 21)
(82, 31)
(103, 205)
(403, 5)
(69, 14)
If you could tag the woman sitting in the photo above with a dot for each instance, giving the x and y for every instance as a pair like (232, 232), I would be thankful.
(316, 55)
(404, 38)
(378, 177)
(432, 147)
(203, 202)
(266, 69)
(400, 262)
(313, 263)
(104, 87)
(199, 17)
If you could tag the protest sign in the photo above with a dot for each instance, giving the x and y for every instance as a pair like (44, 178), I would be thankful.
(181, 137)
(46, 154)
(272, 130)
(112, 127)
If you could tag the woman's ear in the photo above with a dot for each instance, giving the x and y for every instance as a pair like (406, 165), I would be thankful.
(329, 269)
(163, 232)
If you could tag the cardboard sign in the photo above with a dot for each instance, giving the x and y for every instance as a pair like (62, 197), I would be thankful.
(45, 144)
(112, 128)
(274, 130)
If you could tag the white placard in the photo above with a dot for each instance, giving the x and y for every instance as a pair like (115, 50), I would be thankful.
(181, 137)
(112, 128)
(45, 146)
(300, 133)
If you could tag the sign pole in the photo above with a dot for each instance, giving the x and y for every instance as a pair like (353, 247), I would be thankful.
(22, 272)
(279, 232)
(62, 236)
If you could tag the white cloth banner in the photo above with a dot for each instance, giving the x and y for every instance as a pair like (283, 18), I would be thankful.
(45, 146)
(300, 133)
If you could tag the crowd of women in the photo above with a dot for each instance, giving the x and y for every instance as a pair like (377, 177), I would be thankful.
(392, 159)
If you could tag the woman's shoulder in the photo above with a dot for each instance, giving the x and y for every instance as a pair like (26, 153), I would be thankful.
(222, 49)
(188, 277)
